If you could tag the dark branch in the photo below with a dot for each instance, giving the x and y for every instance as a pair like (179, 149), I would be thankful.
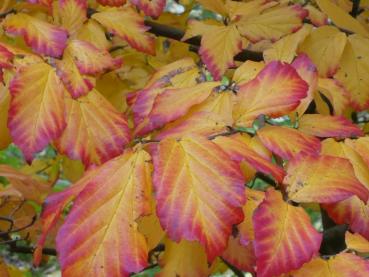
(177, 34)
(3, 15)
(355, 8)
(235, 270)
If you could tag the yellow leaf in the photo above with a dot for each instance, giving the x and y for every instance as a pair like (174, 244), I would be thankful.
(356, 242)
(324, 46)
(353, 71)
(285, 48)
(341, 18)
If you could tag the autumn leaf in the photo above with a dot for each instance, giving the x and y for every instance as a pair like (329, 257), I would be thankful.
(112, 3)
(325, 46)
(272, 24)
(239, 151)
(339, 265)
(73, 13)
(219, 44)
(129, 26)
(313, 178)
(352, 72)
(199, 192)
(150, 7)
(95, 132)
(43, 37)
(275, 91)
(287, 142)
(34, 124)
(185, 258)
(111, 209)
(285, 238)
(356, 242)
(328, 126)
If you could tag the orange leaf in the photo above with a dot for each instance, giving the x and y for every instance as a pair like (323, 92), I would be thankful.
(240, 256)
(356, 242)
(285, 238)
(112, 3)
(128, 25)
(76, 84)
(287, 142)
(90, 59)
(152, 8)
(322, 179)
(73, 14)
(361, 146)
(308, 72)
(95, 132)
(272, 24)
(43, 37)
(174, 103)
(185, 259)
(199, 192)
(240, 151)
(276, 90)
(109, 205)
(36, 114)
(328, 126)
(246, 228)
(351, 211)
(341, 265)
(219, 44)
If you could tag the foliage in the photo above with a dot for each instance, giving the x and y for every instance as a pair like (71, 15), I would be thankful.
(184, 138)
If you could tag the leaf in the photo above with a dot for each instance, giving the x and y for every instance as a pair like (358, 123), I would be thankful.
(95, 132)
(356, 242)
(73, 13)
(351, 211)
(77, 85)
(5, 138)
(312, 178)
(112, 3)
(340, 265)
(214, 5)
(239, 151)
(328, 126)
(208, 118)
(285, 48)
(287, 142)
(174, 103)
(361, 146)
(275, 91)
(108, 211)
(44, 38)
(341, 18)
(285, 239)
(219, 44)
(236, 9)
(152, 8)
(29, 187)
(240, 256)
(129, 26)
(199, 192)
(246, 228)
(36, 114)
(92, 32)
(324, 46)
(52, 209)
(345, 150)
(353, 69)
(185, 259)
(90, 59)
(337, 95)
(272, 24)
(316, 16)
(308, 72)
(247, 71)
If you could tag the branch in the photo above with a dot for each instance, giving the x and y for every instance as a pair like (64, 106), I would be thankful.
(177, 34)
(355, 8)
(235, 270)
